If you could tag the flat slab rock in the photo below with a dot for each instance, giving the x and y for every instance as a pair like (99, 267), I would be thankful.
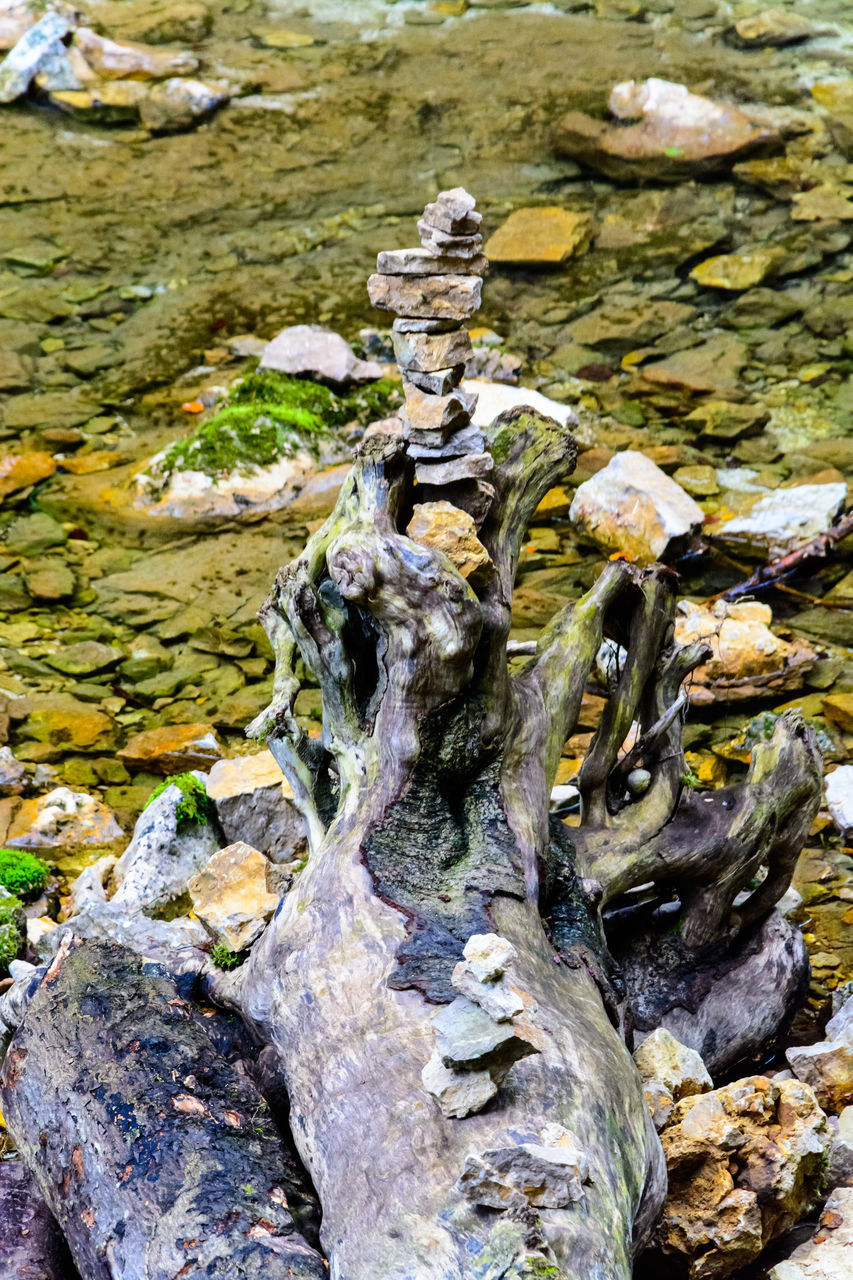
(448, 297)
(676, 134)
(785, 519)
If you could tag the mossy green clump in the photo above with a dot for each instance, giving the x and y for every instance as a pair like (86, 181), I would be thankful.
(269, 416)
(22, 874)
(12, 930)
(195, 805)
(225, 959)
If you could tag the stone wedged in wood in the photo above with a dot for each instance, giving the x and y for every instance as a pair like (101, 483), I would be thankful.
(469, 467)
(155, 1156)
(438, 382)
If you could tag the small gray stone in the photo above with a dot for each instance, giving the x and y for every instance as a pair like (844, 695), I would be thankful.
(547, 1177)
(420, 262)
(430, 419)
(440, 242)
(469, 467)
(447, 297)
(438, 383)
(469, 440)
(421, 324)
(459, 1093)
(426, 353)
(468, 1039)
(453, 211)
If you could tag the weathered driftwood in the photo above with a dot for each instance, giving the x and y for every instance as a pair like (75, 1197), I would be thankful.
(157, 1159)
(31, 1245)
(427, 807)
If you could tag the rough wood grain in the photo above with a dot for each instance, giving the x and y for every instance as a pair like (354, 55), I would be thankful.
(157, 1159)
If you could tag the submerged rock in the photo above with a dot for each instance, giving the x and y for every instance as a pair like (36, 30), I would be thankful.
(540, 236)
(317, 353)
(678, 134)
(771, 27)
(633, 507)
(745, 1162)
(113, 60)
(173, 748)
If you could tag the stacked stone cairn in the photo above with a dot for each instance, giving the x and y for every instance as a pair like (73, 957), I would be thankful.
(433, 290)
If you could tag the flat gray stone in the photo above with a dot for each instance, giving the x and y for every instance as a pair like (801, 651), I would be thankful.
(428, 352)
(438, 383)
(448, 297)
(420, 262)
(467, 1039)
(469, 467)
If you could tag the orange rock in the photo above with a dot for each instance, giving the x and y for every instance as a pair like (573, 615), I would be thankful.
(174, 748)
(62, 818)
(19, 470)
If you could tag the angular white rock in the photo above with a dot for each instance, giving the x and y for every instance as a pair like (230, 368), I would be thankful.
(497, 397)
(547, 1175)
(839, 797)
(488, 956)
(786, 519)
(632, 505)
(459, 1093)
(680, 1070)
(43, 41)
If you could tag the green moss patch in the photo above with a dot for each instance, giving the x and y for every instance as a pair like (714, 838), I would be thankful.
(269, 416)
(12, 930)
(225, 959)
(195, 805)
(22, 874)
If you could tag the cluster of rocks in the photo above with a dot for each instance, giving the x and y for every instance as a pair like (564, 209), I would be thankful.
(86, 74)
(478, 1036)
(433, 289)
(744, 1162)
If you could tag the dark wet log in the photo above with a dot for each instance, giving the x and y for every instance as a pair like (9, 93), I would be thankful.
(157, 1159)
(31, 1245)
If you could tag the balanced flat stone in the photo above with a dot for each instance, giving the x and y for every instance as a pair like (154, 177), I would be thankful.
(469, 440)
(439, 242)
(469, 467)
(420, 324)
(438, 383)
(426, 352)
(420, 262)
(438, 414)
(453, 210)
(433, 297)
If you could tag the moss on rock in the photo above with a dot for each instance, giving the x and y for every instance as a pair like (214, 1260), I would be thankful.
(13, 929)
(21, 874)
(195, 805)
(269, 416)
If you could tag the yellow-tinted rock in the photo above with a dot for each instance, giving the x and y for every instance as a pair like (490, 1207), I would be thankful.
(746, 657)
(708, 768)
(70, 726)
(540, 236)
(230, 896)
(838, 708)
(245, 774)
(62, 817)
(446, 528)
(700, 482)
(555, 503)
(17, 471)
(174, 748)
(737, 271)
(115, 61)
